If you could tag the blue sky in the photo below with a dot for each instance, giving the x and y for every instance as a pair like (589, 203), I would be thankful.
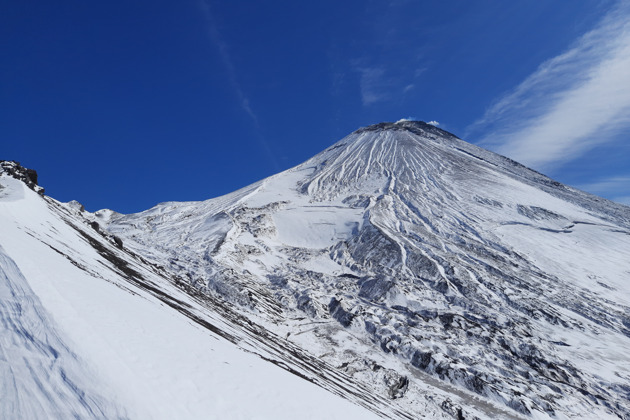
(124, 104)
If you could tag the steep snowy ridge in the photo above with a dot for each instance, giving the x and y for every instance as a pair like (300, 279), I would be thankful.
(402, 268)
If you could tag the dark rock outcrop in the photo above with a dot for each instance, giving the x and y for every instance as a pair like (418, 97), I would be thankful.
(17, 171)
(339, 313)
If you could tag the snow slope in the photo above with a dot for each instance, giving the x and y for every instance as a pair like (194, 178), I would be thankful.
(88, 330)
(41, 376)
(444, 277)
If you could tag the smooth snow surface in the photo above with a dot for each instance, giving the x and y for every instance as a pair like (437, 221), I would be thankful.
(40, 376)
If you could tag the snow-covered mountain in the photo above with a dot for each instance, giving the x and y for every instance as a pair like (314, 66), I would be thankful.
(402, 269)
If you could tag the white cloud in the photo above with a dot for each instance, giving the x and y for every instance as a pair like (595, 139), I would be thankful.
(570, 104)
(433, 123)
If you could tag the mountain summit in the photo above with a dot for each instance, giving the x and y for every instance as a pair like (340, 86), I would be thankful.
(443, 258)
(403, 269)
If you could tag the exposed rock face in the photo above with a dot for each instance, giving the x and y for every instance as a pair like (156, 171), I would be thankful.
(403, 246)
(397, 385)
(28, 176)
(339, 313)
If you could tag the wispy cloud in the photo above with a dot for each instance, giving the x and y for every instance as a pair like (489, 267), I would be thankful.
(616, 187)
(385, 62)
(222, 47)
(570, 104)
(380, 84)
(373, 85)
(228, 64)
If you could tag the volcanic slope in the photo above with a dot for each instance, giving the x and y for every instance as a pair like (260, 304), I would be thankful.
(428, 270)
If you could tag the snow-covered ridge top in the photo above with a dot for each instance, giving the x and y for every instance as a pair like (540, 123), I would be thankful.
(407, 154)
(389, 146)
(423, 133)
